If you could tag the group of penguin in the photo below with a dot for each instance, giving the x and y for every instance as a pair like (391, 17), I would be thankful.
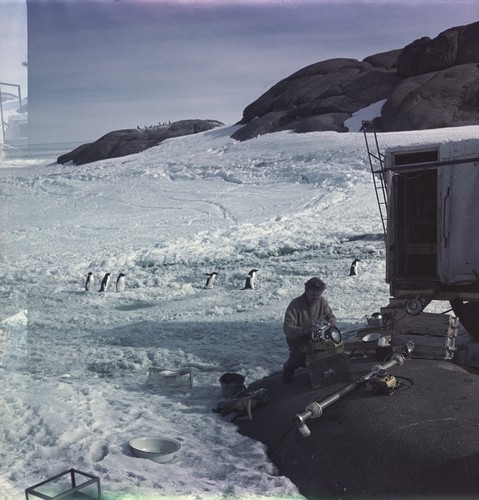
(251, 278)
(249, 284)
(121, 281)
(105, 282)
(210, 280)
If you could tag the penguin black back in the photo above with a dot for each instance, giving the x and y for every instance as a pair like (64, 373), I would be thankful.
(250, 280)
(354, 269)
(105, 282)
(210, 281)
(90, 282)
(121, 283)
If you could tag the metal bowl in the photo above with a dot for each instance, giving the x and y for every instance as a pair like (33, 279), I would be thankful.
(371, 337)
(157, 448)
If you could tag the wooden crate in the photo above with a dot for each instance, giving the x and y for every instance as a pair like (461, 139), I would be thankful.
(432, 324)
(434, 335)
(326, 368)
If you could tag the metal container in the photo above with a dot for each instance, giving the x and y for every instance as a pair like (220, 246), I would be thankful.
(375, 319)
(231, 384)
(174, 377)
(157, 448)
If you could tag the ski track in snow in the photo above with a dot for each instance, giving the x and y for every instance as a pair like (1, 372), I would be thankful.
(74, 365)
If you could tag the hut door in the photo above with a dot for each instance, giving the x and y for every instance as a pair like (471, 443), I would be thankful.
(459, 218)
(416, 224)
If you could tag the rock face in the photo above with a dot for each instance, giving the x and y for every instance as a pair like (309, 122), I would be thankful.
(434, 100)
(452, 47)
(125, 142)
(319, 97)
(430, 83)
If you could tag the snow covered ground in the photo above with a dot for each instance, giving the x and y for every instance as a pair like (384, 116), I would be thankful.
(74, 365)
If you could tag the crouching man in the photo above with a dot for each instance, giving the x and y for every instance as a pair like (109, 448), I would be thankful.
(300, 317)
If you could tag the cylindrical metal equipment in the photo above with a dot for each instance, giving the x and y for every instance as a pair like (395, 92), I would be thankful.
(315, 409)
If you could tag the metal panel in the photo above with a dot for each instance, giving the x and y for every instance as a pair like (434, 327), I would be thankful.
(391, 257)
(459, 214)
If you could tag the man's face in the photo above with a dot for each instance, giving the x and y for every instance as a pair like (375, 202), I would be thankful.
(313, 295)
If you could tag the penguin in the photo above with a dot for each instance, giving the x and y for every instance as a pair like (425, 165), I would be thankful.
(210, 281)
(354, 269)
(250, 280)
(120, 283)
(90, 282)
(105, 282)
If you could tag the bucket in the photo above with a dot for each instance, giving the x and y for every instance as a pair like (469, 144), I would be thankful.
(231, 384)
(384, 348)
(383, 353)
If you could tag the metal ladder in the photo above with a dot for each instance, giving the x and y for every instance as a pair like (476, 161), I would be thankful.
(376, 162)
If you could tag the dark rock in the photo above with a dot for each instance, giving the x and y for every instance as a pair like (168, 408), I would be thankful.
(425, 55)
(284, 121)
(274, 120)
(330, 91)
(468, 44)
(431, 83)
(321, 123)
(125, 142)
(455, 46)
(434, 100)
(386, 60)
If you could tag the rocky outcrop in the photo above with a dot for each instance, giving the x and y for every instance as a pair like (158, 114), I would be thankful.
(434, 100)
(125, 142)
(455, 46)
(430, 83)
(319, 97)
(386, 60)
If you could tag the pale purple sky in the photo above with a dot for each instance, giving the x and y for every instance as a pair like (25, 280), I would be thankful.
(114, 64)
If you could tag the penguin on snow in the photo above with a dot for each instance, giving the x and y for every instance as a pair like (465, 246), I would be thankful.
(354, 269)
(250, 280)
(105, 282)
(90, 282)
(121, 283)
(210, 281)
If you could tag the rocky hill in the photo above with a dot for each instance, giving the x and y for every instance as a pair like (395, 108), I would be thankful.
(126, 142)
(430, 83)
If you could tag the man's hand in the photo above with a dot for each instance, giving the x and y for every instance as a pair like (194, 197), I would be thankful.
(332, 321)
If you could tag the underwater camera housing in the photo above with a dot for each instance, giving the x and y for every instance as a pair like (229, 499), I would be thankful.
(325, 336)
